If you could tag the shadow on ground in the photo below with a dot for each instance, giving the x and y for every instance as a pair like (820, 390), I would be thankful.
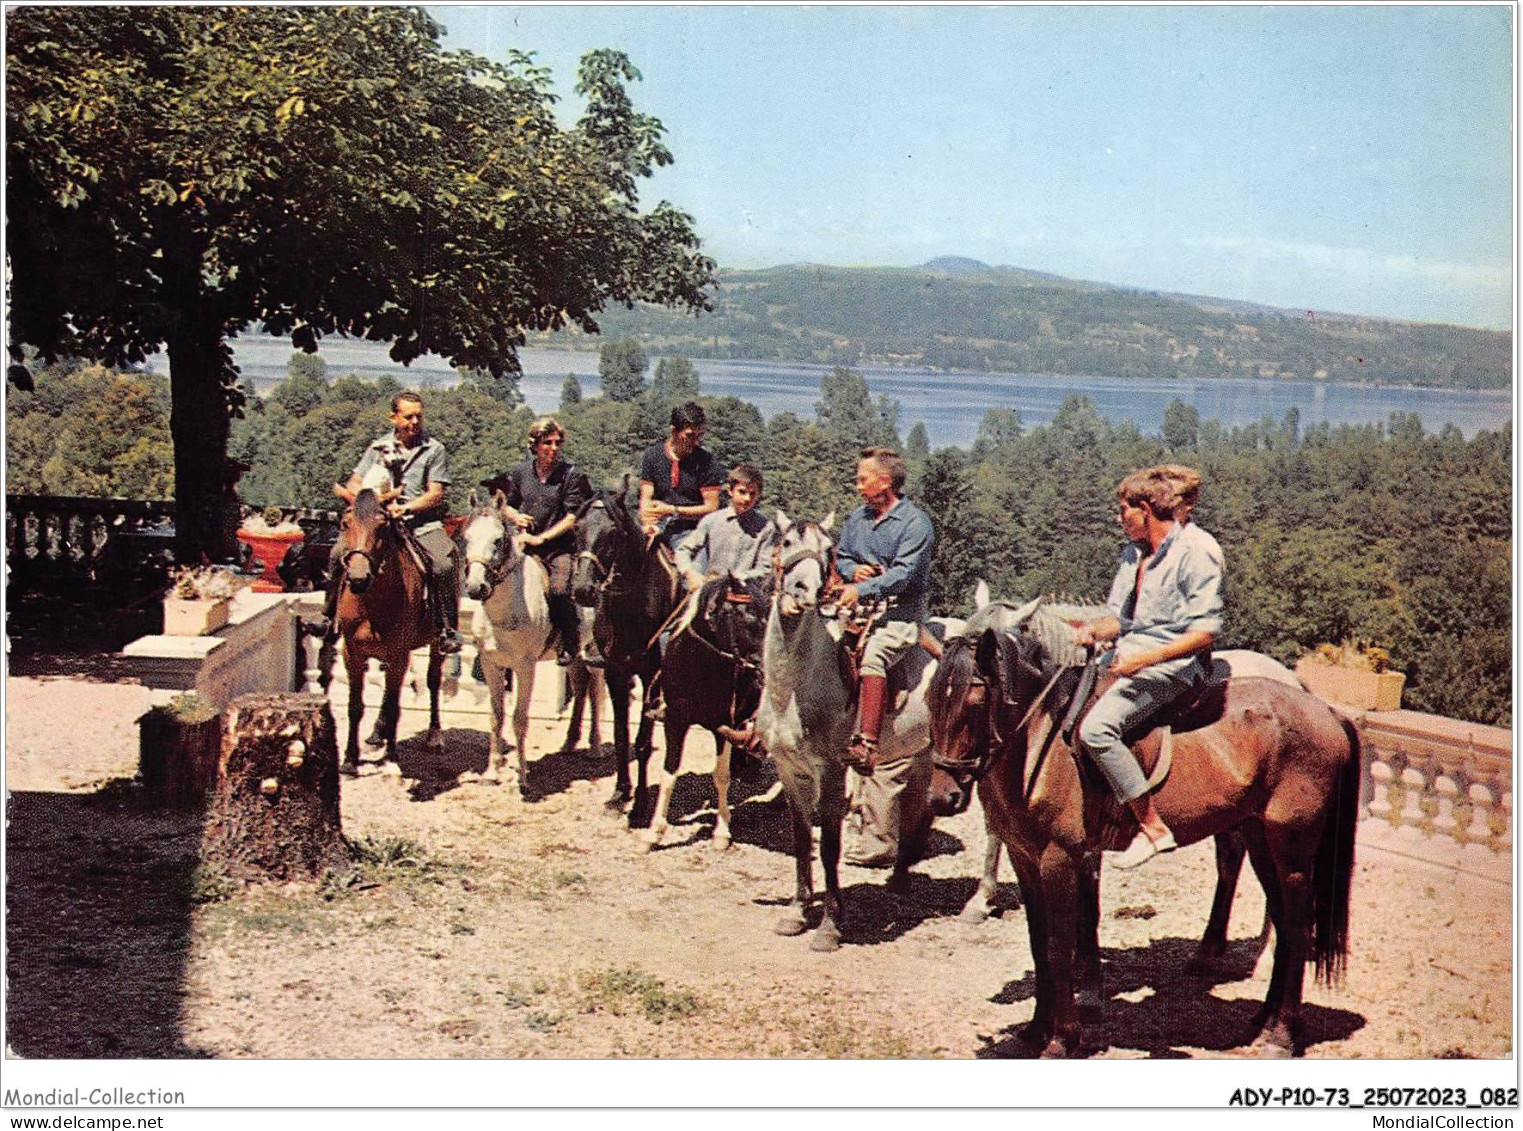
(1179, 1013)
(77, 628)
(98, 899)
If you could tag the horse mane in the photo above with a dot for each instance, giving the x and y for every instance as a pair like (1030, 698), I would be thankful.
(1048, 625)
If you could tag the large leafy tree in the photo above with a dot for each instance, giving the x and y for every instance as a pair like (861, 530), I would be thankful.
(175, 175)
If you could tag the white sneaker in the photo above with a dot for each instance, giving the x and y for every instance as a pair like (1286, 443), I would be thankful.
(1141, 850)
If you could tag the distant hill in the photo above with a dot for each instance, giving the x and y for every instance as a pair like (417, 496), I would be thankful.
(957, 313)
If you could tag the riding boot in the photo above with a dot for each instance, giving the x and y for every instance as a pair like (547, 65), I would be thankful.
(447, 613)
(327, 627)
(563, 612)
(862, 753)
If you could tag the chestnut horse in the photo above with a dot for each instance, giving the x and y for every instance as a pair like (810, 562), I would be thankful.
(383, 615)
(1252, 755)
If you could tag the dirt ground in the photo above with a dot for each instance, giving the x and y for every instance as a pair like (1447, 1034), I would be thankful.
(479, 925)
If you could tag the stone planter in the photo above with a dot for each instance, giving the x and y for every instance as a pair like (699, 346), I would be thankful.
(269, 550)
(1353, 687)
(194, 618)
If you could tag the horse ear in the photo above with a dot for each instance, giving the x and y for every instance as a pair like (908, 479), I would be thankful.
(828, 521)
(1024, 613)
(499, 500)
(986, 656)
(783, 521)
(981, 594)
(475, 502)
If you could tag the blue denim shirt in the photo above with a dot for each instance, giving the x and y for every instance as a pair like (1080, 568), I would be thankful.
(901, 542)
(1181, 592)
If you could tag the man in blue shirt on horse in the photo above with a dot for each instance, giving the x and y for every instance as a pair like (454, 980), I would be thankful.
(884, 555)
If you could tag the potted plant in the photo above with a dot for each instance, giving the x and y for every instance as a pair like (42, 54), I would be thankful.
(269, 534)
(198, 599)
(1354, 673)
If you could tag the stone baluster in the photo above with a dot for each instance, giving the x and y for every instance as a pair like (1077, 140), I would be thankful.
(1414, 781)
(1384, 774)
(1482, 804)
(312, 674)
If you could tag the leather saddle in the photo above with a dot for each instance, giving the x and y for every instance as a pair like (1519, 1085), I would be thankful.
(1151, 737)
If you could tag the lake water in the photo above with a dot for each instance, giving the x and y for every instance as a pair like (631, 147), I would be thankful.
(949, 404)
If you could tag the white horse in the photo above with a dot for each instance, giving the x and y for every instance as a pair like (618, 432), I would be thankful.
(807, 712)
(513, 632)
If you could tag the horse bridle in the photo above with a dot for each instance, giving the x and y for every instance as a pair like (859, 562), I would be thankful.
(782, 566)
(991, 744)
(496, 566)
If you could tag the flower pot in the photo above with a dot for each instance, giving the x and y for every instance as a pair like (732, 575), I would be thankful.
(184, 617)
(1353, 687)
(269, 550)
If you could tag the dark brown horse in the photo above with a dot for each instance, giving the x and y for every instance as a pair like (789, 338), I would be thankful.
(1264, 759)
(620, 574)
(383, 615)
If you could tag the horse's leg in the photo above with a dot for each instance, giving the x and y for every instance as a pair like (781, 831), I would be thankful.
(792, 921)
(676, 728)
(523, 690)
(1091, 982)
(1264, 868)
(1230, 850)
(1293, 863)
(1061, 889)
(354, 666)
(391, 707)
(827, 936)
(618, 691)
(497, 691)
(576, 684)
(981, 906)
(1037, 1031)
(435, 742)
(722, 750)
(595, 686)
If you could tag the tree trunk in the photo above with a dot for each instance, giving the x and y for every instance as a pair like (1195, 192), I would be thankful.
(199, 368)
(178, 757)
(274, 814)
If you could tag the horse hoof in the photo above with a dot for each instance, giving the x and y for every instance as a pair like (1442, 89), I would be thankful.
(1273, 1046)
(435, 742)
(350, 767)
(898, 883)
(826, 938)
(1034, 1033)
(790, 925)
(1090, 1005)
(722, 842)
(976, 915)
(1056, 1049)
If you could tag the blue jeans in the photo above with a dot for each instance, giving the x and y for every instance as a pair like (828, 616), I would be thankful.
(1130, 699)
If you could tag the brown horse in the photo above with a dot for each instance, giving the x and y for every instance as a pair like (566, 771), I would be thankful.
(383, 615)
(1253, 755)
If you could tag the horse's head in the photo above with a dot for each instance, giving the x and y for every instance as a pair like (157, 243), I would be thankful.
(736, 607)
(491, 551)
(803, 563)
(602, 527)
(983, 675)
(365, 527)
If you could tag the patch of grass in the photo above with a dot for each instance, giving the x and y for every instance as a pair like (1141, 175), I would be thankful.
(569, 879)
(210, 885)
(461, 929)
(542, 1022)
(273, 921)
(1146, 911)
(619, 991)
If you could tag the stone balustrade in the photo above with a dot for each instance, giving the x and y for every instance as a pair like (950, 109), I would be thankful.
(58, 536)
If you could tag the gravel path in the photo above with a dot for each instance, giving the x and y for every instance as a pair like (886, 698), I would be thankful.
(484, 926)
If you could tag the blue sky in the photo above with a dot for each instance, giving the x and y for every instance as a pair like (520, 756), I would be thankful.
(1353, 159)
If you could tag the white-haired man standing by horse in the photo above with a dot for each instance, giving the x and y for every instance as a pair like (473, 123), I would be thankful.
(1165, 613)
(411, 462)
(884, 554)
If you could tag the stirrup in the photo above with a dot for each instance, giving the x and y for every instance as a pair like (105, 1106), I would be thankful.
(861, 754)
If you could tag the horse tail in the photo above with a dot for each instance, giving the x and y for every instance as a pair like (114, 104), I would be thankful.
(1333, 871)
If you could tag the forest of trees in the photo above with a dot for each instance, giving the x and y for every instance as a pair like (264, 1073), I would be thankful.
(1388, 534)
(1003, 319)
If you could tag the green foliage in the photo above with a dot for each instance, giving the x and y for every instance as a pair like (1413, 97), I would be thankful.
(502, 388)
(175, 174)
(621, 368)
(917, 445)
(1012, 321)
(850, 418)
(571, 391)
(88, 431)
(1181, 425)
(675, 381)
